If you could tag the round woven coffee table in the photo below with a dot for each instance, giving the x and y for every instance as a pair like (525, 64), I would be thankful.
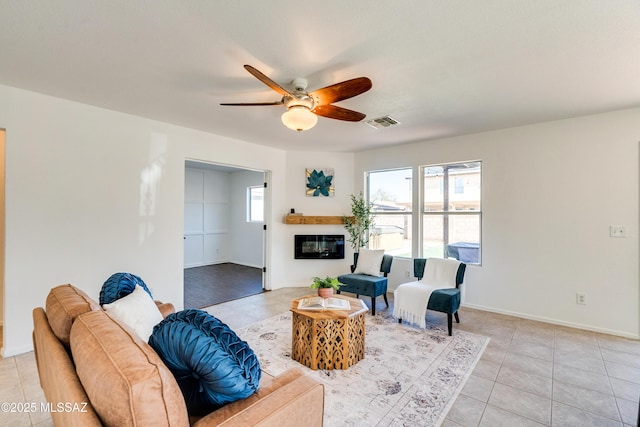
(328, 339)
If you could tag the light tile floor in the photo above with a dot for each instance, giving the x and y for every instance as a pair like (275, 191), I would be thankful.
(531, 373)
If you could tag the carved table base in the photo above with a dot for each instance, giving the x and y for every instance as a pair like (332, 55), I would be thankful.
(328, 339)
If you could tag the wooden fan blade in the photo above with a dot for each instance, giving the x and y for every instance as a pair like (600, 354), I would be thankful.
(266, 80)
(338, 113)
(251, 104)
(339, 91)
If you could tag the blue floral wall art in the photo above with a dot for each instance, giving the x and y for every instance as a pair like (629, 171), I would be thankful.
(320, 182)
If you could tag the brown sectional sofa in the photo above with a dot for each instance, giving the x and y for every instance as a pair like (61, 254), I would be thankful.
(105, 374)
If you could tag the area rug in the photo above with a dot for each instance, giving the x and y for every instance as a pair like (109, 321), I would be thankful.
(409, 376)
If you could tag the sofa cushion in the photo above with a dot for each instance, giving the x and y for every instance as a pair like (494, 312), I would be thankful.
(124, 378)
(136, 310)
(64, 304)
(119, 285)
(211, 364)
(58, 377)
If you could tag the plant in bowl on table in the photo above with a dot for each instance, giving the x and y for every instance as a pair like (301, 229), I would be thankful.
(325, 286)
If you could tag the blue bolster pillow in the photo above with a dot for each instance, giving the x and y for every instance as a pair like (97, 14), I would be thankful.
(120, 285)
(211, 364)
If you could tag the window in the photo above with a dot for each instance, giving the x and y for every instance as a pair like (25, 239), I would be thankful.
(390, 192)
(255, 204)
(447, 226)
(451, 214)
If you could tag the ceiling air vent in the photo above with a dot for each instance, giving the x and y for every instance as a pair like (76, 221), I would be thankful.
(382, 122)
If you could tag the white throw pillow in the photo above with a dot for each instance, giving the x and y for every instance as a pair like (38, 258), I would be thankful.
(137, 310)
(369, 262)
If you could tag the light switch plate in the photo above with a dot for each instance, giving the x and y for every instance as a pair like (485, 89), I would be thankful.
(617, 231)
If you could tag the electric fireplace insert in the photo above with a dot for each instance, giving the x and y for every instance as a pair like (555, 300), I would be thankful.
(319, 246)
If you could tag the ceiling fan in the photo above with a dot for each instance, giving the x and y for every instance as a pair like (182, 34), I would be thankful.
(303, 107)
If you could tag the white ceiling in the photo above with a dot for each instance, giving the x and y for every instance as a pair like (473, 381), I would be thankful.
(441, 68)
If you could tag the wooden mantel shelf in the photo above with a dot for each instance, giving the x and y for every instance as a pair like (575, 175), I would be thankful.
(301, 219)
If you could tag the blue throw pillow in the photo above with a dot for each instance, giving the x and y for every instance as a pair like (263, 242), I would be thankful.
(211, 364)
(120, 285)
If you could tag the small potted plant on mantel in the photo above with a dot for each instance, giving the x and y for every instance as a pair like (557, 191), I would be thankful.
(325, 286)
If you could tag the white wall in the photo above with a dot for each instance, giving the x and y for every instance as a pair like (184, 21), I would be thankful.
(2, 226)
(550, 192)
(299, 272)
(245, 237)
(90, 192)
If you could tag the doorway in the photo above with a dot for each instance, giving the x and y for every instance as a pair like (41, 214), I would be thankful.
(224, 233)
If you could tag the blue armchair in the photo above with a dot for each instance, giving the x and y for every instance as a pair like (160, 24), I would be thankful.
(363, 284)
(439, 291)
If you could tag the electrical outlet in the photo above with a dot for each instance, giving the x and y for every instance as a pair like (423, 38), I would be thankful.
(581, 299)
(407, 274)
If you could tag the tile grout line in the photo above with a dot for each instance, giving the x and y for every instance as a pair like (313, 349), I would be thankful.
(610, 383)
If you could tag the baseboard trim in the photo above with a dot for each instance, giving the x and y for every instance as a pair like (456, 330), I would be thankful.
(15, 351)
(244, 264)
(204, 264)
(223, 262)
(554, 321)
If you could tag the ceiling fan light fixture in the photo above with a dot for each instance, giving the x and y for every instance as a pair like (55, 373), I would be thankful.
(303, 107)
(299, 118)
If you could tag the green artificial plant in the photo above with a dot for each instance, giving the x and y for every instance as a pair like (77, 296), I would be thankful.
(359, 222)
(328, 282)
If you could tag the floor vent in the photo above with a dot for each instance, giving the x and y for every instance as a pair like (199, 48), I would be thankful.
(382, 122)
